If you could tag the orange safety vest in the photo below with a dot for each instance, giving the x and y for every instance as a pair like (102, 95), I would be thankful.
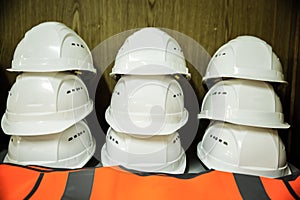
(19, 182)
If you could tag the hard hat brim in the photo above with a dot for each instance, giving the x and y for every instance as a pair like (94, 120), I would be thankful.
(168, 167)
(57, 124)
(164, 129)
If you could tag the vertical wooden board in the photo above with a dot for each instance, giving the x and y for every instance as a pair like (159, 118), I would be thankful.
(294, 138)
(293, 96)
(197, 19)
(280, 42)
(210, 23)
(282, 33)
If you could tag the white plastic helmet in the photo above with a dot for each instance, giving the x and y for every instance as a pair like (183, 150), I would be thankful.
(244, 102)
(150, 51)
(243, 149)
(245, 57)
(49, 47)
(71, 148)
(160, 153)
(45, 103)
(147, 105)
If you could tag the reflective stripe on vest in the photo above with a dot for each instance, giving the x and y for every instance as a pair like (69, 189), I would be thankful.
(250, 187)
(17, 182)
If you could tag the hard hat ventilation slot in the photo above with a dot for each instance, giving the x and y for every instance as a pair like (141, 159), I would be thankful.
(220, 54)
(219, 93)
(219, 140)
(76, 135)
(74, 90)
(78, 45)
(176, 139)
(177, 95)
(113, 139)
(177, 49)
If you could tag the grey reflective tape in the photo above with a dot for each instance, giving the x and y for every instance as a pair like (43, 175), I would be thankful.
(35, 187)
(250, 187)
(290, 189)
(79, 184)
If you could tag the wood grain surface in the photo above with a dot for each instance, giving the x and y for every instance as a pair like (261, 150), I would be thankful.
(210, 23)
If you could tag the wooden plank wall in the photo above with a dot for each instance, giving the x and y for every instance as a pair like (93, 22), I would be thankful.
(210, 23)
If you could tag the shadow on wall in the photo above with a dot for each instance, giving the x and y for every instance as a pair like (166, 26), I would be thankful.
(4, 88)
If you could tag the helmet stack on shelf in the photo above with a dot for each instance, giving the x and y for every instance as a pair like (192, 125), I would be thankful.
(47, 104)
(147, 105)
(244, 110)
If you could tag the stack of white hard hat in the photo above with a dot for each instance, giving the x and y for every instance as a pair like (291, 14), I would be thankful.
(244, 110)
(47, 104)
(147, 105)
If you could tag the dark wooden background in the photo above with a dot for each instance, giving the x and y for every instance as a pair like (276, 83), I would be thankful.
(210, 22)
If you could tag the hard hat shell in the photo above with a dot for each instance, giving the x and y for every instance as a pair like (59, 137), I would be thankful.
(160, 153)
(244, 102)
(150, 51)
(245, 57)
(243, 149)
(45, 103)
(147, 105)
(71, 148)
(51, 47)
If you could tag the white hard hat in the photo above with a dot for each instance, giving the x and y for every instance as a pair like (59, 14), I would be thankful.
(245, 57)
(244, 102)
(243, 149)
(71, 148)
(45, 103)
(160, 153)
(150, 51)
(49, 47)
(147, 105)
